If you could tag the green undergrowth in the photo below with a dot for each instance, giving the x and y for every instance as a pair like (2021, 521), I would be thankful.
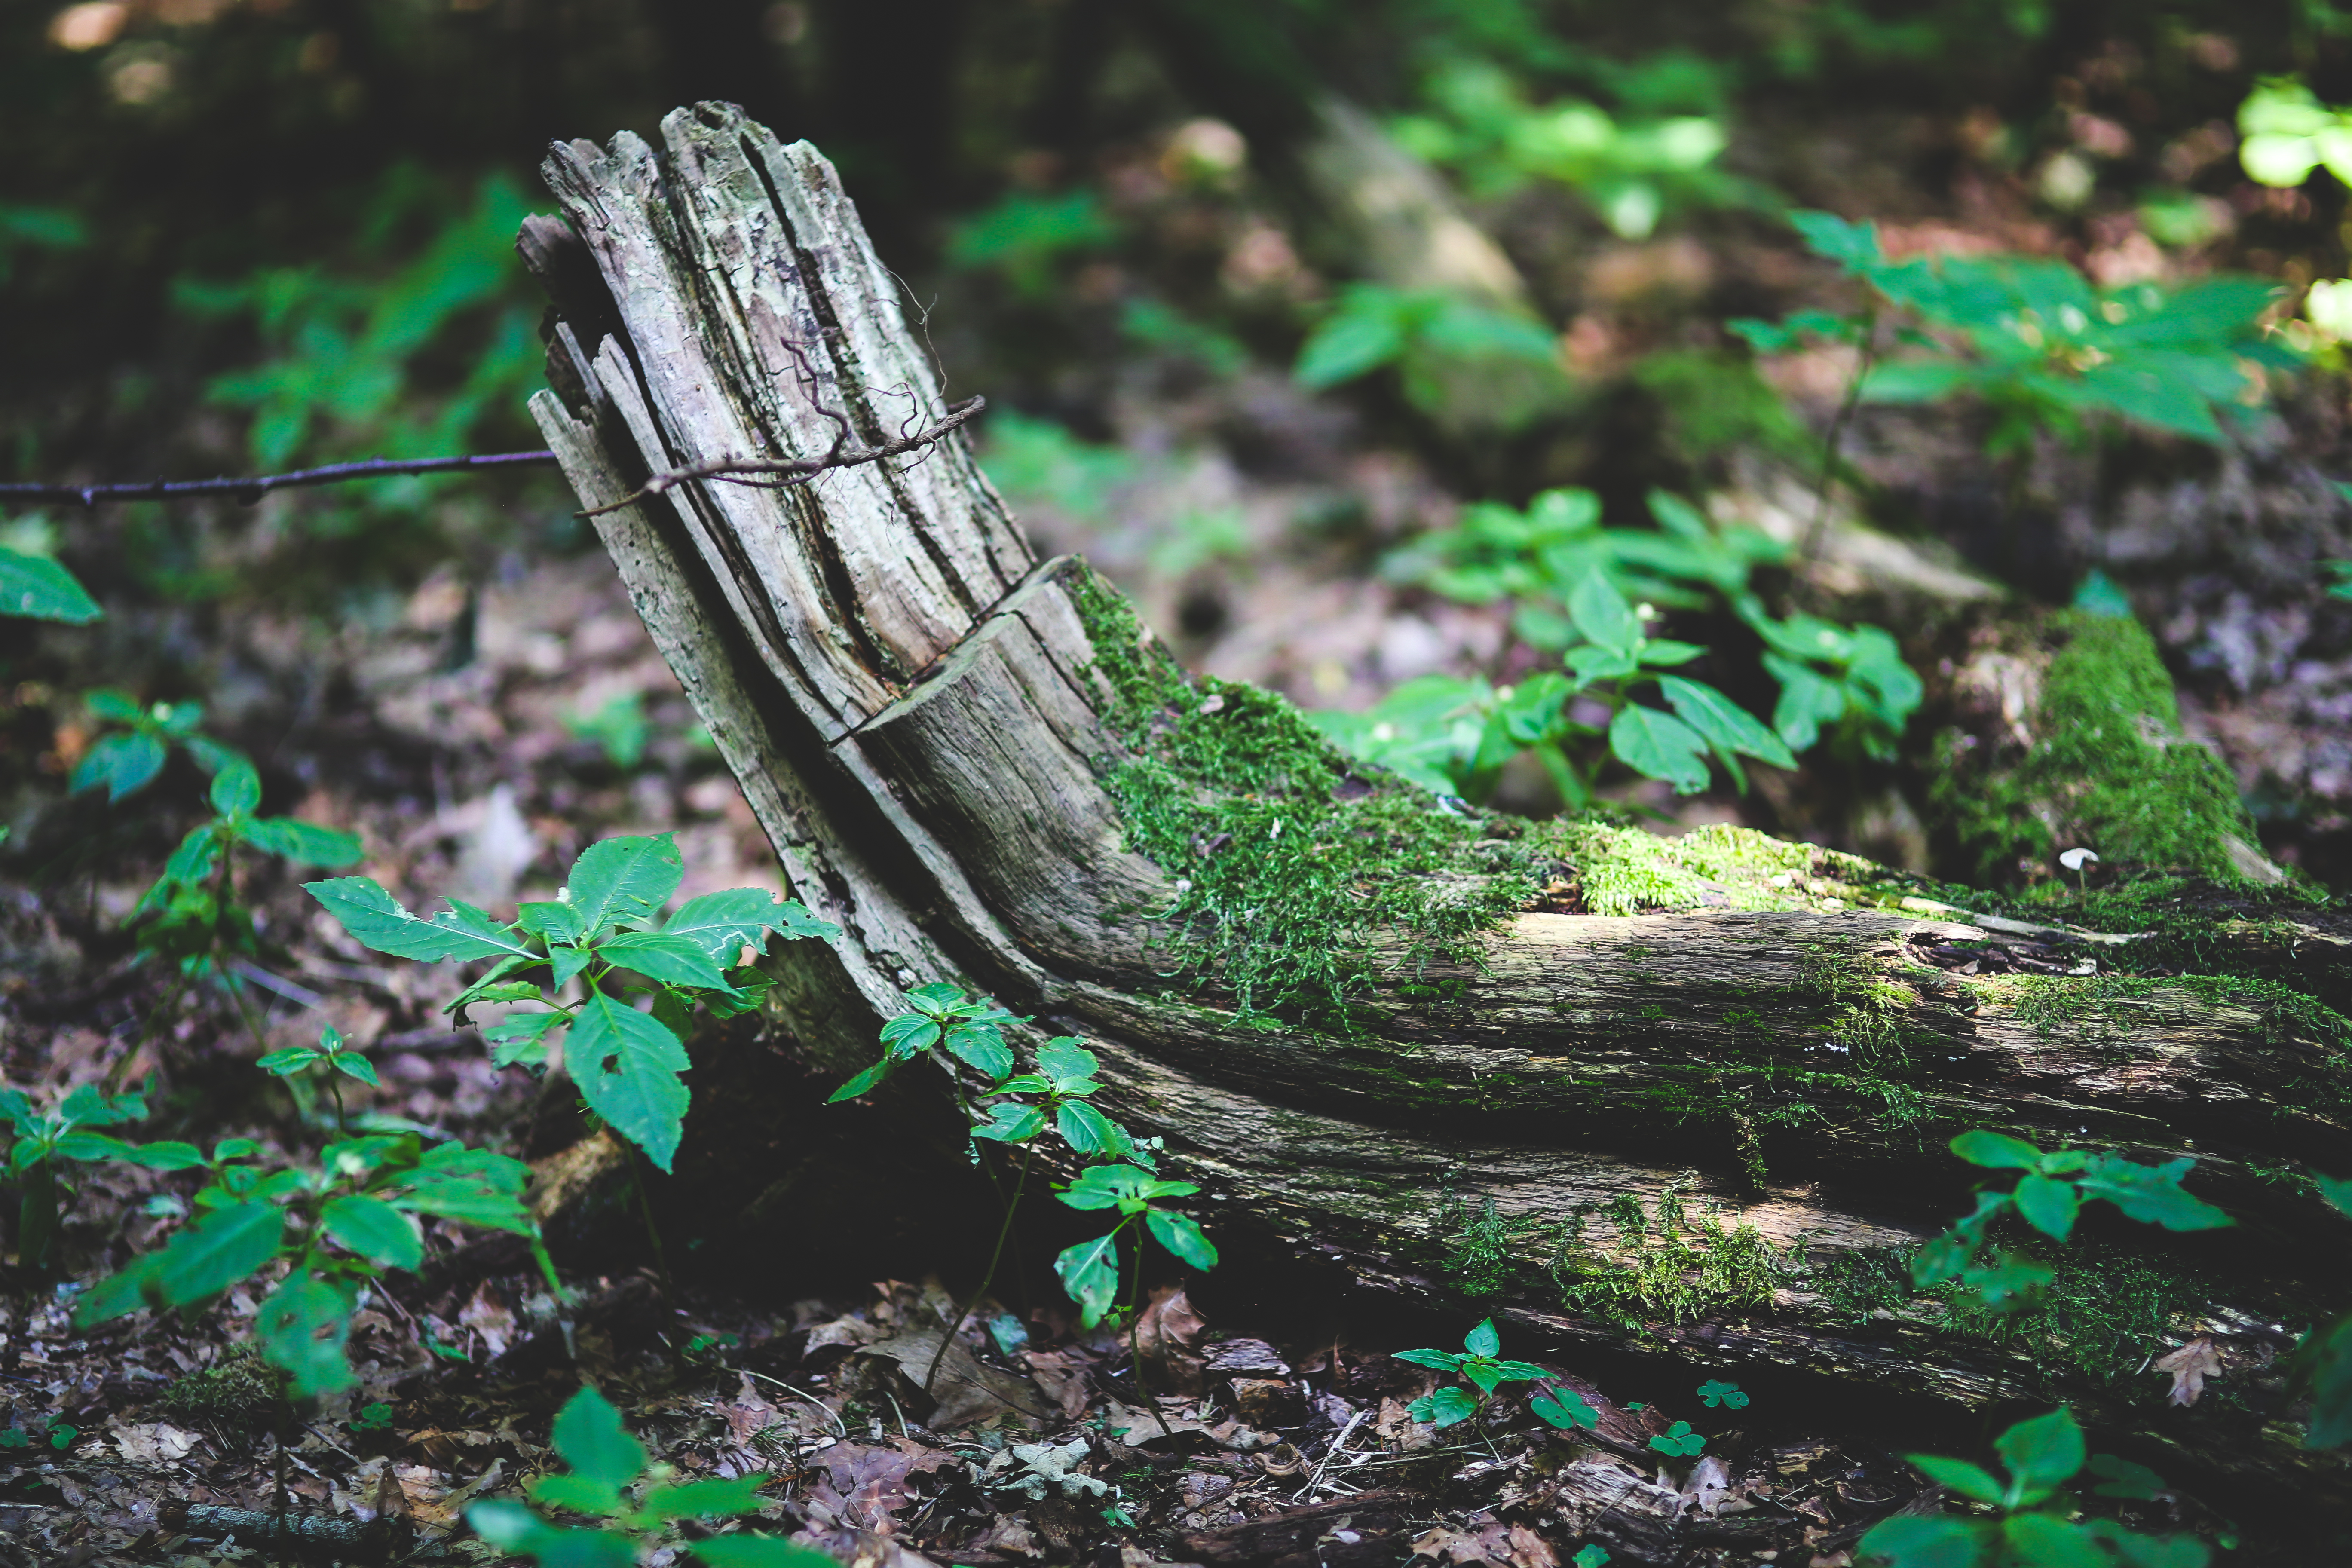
(1664, 1262)
(1641, 1266)
(2109, 759)
(1287, 859)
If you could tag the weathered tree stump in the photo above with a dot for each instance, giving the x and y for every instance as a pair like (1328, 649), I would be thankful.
(1692, 1098)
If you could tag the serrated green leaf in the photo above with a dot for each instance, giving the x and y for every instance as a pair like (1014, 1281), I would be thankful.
(521, 1037)
(236, 789)
(1660, 746)
(2151, 1193)
(589, 1435)
(226, 1245)
(1726, 725)
(724, 923)
(861, 1082)
(1997, 1151)
(552, 918)
(1090, 1134)
(35, 588)
(704, 1499)
(1968, 1481)
(1090, 1276)
(125, 764)
(373, 1228)
(2041, 1453)
(376, 920)
(626, 1066)
(980, 1045)
(624, 880)
(1602, 616)
(304, 1329)
(1914, 1540)
(303, 843)
(1011, 1123)
(672, 959)
(350, 1064)
(291, 1060)
(575, 1493)
(1436, 1361)
(1182, 1234)
(2049, 1207)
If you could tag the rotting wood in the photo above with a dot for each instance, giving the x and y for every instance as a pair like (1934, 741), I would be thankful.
(909, 699)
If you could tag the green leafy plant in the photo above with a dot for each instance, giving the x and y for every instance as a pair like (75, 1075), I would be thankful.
(128, 761)
(1017, 1110)
(1479, 123)
(600, 930)
(2039, 345)
(1715, 1391)
(192, 916)
(50, 1434)
(1480, 1361)
(633, 1501)
(2048, 1196)
(2032, 1528)
(352, 359)
(332, 1057)
(1024, 238)
(1426, 334)
(375, 1416)
(1679, 1441)
(1590, 1556)
(1572, 583)
(337, 1227)
(618, 729)
(41, 1138)
(2321, 1365)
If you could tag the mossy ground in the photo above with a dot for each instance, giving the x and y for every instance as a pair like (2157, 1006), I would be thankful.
(2107, 769)
(1288, 857)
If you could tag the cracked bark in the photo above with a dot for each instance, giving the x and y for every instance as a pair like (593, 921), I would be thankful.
(904, 692)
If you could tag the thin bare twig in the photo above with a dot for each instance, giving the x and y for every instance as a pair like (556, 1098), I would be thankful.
(252, 488)
(783, 472)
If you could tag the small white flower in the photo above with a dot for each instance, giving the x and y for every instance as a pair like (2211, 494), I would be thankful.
(1384, 731)
(2075, 859)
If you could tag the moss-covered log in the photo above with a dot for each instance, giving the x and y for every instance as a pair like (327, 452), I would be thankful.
(1687, 1096)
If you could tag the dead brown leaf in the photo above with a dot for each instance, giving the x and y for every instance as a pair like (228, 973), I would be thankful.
(1168, 1336)
(864, 1485)
(2190, 1365)
(1507, 1546)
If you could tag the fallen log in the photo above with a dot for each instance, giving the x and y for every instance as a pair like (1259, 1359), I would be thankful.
(1688, 1096)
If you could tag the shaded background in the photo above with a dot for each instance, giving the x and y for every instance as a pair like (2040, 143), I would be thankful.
(249, 235)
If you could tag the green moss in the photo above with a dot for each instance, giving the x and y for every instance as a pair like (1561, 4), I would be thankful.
(239, 1390)
(1621, 870)
(1287, 860)
(1665, 1263)
(1482, 1250)
(2108, 767)
(2107, 1311)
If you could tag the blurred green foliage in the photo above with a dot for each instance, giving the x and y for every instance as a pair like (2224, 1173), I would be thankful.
(407, 357)
(1479, 123)
(1432, 339)
(2040, 347)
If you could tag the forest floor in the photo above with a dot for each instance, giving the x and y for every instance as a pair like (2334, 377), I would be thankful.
(477, 738)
